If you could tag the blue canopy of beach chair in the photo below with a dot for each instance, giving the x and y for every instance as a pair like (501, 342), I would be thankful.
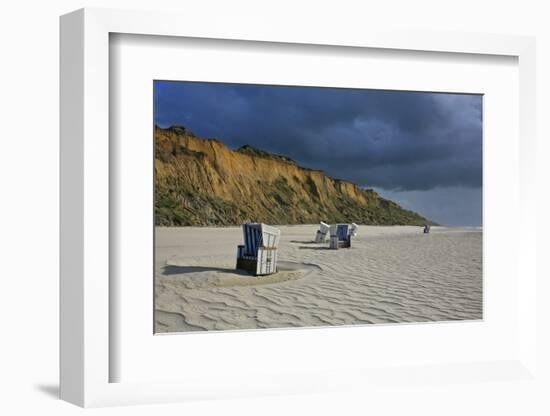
(258, 254)
(342, 231)
(252, 239)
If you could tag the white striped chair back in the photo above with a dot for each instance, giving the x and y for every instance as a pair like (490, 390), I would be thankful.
(270, 236)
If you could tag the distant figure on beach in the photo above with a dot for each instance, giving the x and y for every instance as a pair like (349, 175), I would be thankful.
(426, 228)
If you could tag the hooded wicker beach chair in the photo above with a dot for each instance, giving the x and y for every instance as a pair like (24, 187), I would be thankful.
(340, 236)
(258, 254)
(426, 228)
(353, 229)
(321, 235)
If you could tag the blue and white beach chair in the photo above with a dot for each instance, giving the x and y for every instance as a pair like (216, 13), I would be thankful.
(258, 254)
(340, 236)
(321, 235)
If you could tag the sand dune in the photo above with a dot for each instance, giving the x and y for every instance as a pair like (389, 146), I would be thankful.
(390, 275)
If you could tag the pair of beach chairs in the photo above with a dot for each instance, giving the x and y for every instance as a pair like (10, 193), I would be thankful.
(340, 234)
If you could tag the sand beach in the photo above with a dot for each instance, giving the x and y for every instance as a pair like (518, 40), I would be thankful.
(391, 274)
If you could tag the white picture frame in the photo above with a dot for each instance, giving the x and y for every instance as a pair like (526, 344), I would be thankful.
(86, 263)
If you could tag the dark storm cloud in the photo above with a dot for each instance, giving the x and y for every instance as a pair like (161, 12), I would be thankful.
(424, 149)
(388, 139)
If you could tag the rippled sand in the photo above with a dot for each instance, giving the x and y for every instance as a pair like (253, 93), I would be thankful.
(390, 275)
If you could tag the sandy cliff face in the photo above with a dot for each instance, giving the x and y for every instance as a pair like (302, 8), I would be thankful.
(203, 182)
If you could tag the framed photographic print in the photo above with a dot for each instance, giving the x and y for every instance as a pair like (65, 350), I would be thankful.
(266, 214)
(332, 202)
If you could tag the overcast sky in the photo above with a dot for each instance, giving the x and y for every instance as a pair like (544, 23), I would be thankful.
(421, 150)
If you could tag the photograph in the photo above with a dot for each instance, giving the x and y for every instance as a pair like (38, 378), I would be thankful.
(280, 206)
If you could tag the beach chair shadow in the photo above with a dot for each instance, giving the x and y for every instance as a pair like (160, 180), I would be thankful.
(171, 270)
